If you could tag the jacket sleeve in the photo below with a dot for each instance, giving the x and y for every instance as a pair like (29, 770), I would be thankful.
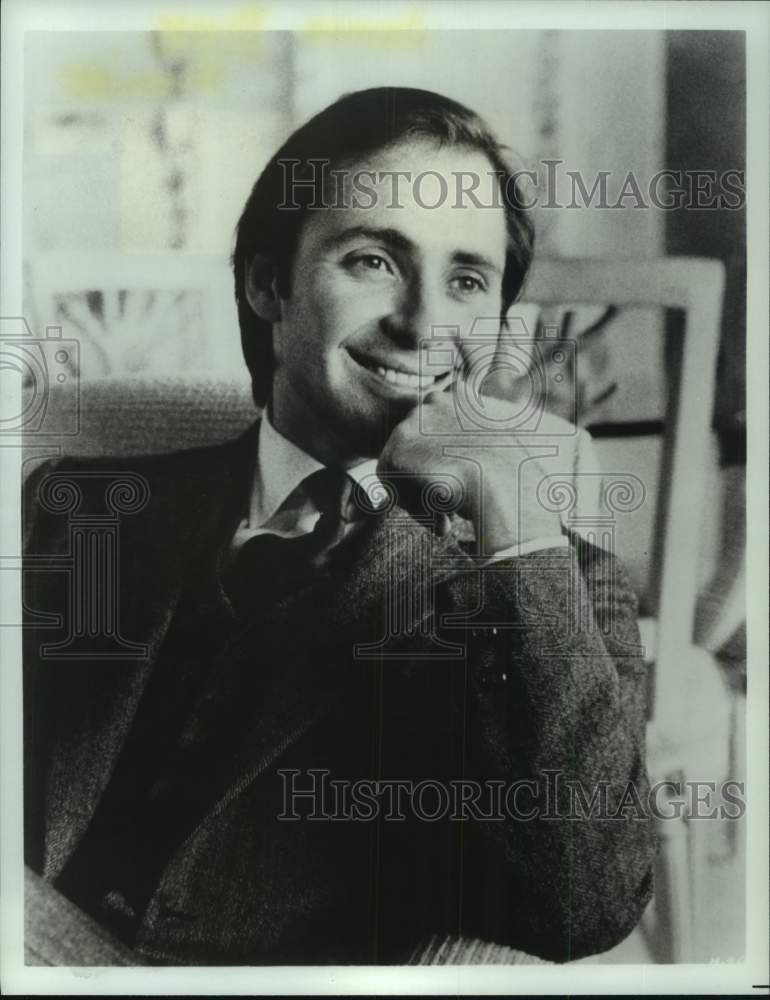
(557, 705)
(555, 694)
(40, 607)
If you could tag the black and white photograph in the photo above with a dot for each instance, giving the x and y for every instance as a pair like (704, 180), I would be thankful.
(384, 517)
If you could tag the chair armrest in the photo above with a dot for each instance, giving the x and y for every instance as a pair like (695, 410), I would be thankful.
(56, 932)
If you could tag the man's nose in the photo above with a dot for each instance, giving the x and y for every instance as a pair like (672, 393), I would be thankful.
(414, 314)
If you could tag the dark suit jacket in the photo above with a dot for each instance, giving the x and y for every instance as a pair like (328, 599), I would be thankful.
(550, 681)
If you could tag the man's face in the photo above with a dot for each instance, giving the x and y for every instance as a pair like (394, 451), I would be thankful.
(368, 286)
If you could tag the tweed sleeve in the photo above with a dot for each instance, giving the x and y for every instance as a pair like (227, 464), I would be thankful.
(556, 716)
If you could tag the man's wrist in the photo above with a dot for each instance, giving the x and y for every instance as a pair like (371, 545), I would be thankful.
(499, 530)
(525, 548)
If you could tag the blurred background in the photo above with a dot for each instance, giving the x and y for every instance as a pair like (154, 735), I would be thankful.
(141, 148)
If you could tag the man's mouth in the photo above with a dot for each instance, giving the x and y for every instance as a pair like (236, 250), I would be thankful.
(400, 376)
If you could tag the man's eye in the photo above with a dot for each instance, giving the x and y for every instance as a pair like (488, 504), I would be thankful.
(370, 262)
(468, 284)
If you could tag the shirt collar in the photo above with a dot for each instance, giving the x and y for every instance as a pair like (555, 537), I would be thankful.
(280, 468)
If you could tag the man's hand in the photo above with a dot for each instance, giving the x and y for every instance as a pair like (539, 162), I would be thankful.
(498, 473)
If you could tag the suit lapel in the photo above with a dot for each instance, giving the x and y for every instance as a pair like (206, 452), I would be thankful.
(89, 707)
(298, 657)
(197, 499)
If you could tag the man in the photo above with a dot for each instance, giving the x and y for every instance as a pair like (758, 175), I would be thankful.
(304, 637)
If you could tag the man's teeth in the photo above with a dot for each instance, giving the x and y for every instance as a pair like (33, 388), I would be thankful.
(405, 378)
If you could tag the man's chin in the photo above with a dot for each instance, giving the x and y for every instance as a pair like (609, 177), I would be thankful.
(366, 433)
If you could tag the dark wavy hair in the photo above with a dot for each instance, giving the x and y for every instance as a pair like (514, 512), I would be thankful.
(342, 135)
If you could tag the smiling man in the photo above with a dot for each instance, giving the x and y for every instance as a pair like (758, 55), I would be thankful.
(367, 288)
(389, 699)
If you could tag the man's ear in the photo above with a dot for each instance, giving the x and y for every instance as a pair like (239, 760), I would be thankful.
(261, 284)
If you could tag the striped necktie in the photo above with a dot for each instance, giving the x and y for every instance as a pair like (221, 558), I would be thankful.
(268, 565)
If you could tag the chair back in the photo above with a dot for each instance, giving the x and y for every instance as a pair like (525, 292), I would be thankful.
(137, 415)
(693, 288)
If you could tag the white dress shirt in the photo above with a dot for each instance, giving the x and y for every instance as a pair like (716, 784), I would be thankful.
(279, 506)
